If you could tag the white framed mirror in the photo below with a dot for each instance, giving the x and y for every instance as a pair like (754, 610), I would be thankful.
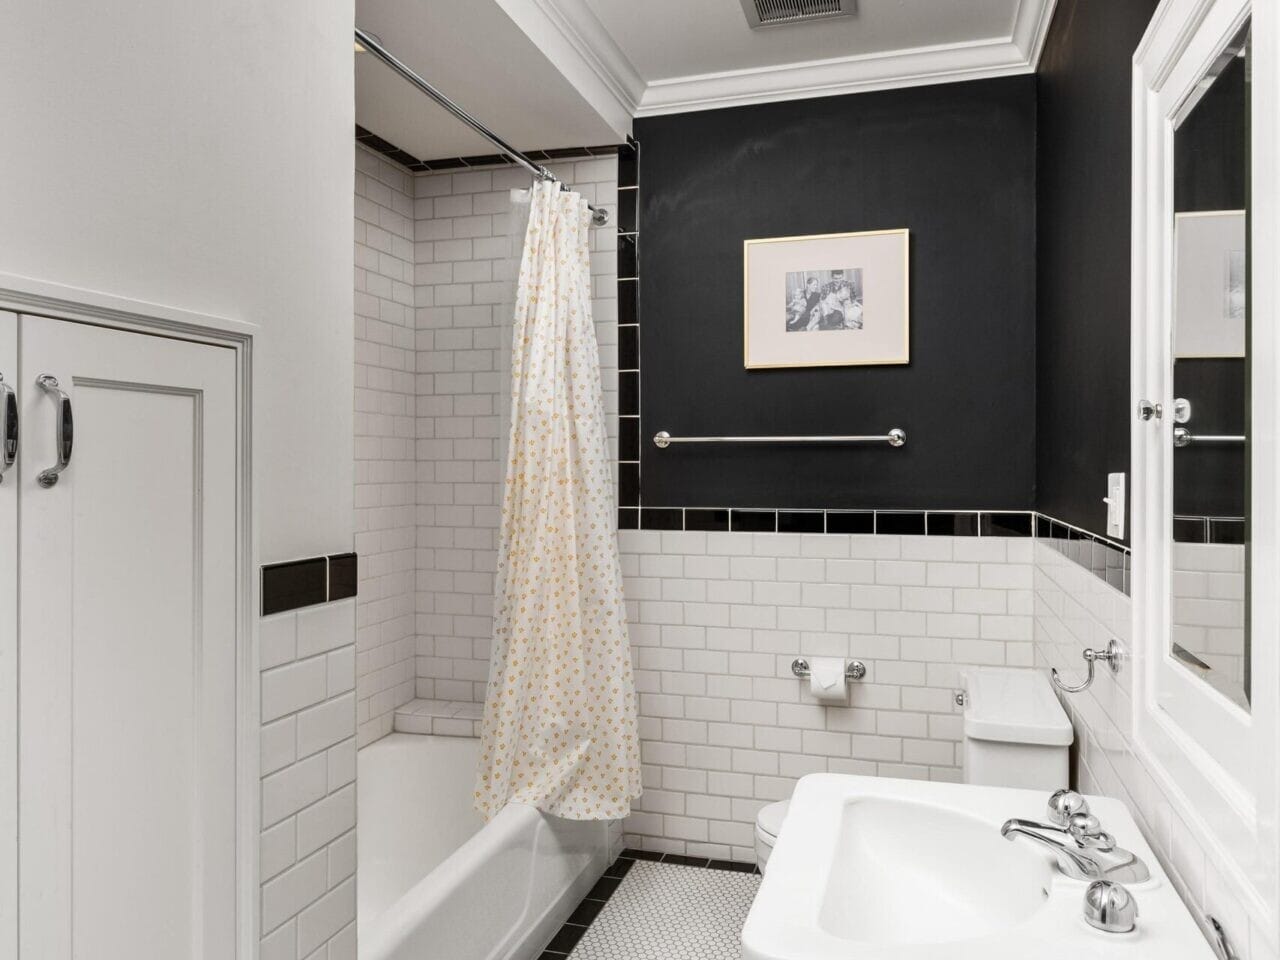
(1205, 474)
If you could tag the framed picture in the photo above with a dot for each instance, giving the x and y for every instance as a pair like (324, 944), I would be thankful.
(832, 300)
(1209, 284)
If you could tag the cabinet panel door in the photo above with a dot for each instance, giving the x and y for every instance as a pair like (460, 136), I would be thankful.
(127, 734)
(8, 649)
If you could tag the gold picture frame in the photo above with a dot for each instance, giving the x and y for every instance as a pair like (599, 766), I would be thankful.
(827, 300)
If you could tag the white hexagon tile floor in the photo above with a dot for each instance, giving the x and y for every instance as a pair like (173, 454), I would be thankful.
(665, 911)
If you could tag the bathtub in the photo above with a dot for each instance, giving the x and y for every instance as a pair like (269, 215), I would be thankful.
(436, 884)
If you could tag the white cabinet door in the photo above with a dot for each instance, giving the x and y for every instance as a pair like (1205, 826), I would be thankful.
(127, 668)
(8, 643)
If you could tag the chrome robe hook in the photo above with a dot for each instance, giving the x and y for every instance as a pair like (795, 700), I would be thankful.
(1110, 656)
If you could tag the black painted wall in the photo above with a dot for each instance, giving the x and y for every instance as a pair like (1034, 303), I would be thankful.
(1082, 278)
(953, 163)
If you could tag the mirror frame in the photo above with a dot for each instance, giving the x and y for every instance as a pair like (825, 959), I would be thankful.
(1228, 796)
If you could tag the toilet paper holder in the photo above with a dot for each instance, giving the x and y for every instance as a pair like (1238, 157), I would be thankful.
(853, 670)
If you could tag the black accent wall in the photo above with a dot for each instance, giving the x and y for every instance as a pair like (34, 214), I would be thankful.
(1082, 279)
(954, 163)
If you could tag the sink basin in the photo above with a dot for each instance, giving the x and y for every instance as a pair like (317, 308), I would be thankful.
(869, 868)
(910, 872)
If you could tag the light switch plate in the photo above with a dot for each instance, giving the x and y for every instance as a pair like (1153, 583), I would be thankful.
(1115, 505)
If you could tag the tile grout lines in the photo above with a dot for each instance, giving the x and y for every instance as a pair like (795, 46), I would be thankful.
(567, 937)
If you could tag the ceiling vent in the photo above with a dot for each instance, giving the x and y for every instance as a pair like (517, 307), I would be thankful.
(772, 13)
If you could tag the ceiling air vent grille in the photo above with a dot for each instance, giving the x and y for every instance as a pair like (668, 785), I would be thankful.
(770, 13)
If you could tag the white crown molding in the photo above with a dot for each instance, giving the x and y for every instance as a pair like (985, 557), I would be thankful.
(571, 37)
(1031, 27)
(580, 30)
(824, 78)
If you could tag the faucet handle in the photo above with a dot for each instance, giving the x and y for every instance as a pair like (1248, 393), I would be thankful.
(1110, 907)
(1086, 830)
(1065, 804)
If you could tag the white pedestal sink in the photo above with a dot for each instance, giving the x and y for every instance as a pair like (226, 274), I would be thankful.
(868, 868)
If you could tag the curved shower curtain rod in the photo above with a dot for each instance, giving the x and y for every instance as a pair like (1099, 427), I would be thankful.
(599, 216)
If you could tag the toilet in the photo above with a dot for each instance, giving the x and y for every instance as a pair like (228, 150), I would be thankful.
(768, 823)
(1016, 734)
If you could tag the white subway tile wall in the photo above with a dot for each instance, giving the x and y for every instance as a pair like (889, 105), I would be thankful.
(385, 455)
(1075, 609)
(464, 283)
(717, 618)
(307, 853)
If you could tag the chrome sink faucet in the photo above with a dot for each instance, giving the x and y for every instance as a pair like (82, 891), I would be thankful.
(1084, 850)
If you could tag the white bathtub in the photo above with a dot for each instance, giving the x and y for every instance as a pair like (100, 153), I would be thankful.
(435, 885)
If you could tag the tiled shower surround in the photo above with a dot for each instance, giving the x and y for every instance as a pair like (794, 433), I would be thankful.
(385, 458)
(463, 277)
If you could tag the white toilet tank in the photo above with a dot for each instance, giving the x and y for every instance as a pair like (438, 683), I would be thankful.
(1016, 734)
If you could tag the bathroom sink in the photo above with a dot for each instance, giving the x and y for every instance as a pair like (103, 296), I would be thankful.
(873, 868)
(894, 856)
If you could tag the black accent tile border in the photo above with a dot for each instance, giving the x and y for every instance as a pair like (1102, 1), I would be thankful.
(306, 583)
(573, 929)
(418, 165)
(1197, 529)
(1107, 560)
(711, 520)
(801, 521)
(344, 575)
(754, 521)
(936, 523)
(951, 524)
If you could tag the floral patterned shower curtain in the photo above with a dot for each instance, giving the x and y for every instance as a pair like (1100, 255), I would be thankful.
(560, 717)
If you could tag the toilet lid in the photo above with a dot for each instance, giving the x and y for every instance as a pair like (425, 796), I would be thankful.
(770, 818)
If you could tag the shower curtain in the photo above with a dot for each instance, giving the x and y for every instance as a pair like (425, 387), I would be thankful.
(560, 717)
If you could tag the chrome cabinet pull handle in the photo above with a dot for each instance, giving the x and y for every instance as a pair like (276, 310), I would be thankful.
(8, 427)
(65, 429)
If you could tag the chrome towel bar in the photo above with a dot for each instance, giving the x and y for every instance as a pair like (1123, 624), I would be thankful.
(894, 438)
(1182, 437)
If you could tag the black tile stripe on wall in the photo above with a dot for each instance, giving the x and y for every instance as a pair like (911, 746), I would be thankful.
(572, 931)
(406, 159)
(630, 434)
(305, 583)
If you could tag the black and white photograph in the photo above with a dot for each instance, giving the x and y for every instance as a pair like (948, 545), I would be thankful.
(849, 292)
(824, 300)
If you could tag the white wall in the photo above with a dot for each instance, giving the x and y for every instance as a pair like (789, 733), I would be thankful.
(1075, 609)
(386, 464)
(198, 156)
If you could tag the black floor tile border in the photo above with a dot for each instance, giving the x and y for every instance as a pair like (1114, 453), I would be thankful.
(573, 929)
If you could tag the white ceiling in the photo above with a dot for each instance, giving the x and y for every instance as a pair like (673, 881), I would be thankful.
(666, 39)
(475, 54)
(556, 73)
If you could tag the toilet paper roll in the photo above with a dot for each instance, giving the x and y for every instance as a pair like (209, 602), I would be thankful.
(827, 681)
